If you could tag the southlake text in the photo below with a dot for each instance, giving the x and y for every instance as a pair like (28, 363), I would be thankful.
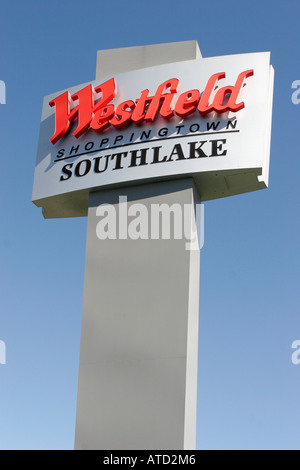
(144, 156)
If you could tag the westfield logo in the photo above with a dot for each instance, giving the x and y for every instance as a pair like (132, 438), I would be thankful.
(94, 109)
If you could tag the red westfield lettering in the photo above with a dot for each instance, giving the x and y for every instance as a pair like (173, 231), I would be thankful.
(98, 114)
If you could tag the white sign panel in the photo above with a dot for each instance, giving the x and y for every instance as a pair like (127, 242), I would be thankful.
(209, 119)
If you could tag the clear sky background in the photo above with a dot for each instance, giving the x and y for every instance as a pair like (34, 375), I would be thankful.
(248, 392)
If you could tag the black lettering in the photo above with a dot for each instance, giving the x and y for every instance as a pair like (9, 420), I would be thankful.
(87, 164)
(74, 149)
(135, 156)
(179, 127)
(89, 145)
(118, 159)
(213, 125)
(216, 147)
(118, 138)
(194, 127)
(163, 132)
(146, 135)
(65, 169)
(197, 152)
(60, 153)
(97, 164)
(156, 151)
(177, 151)
(231, 124)
(104, 142)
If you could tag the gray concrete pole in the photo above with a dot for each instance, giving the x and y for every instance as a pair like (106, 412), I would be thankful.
(138, 358)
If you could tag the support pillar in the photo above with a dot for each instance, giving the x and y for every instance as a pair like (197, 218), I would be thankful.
(137, 384)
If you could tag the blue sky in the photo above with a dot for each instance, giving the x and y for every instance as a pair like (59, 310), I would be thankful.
(249, 290)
